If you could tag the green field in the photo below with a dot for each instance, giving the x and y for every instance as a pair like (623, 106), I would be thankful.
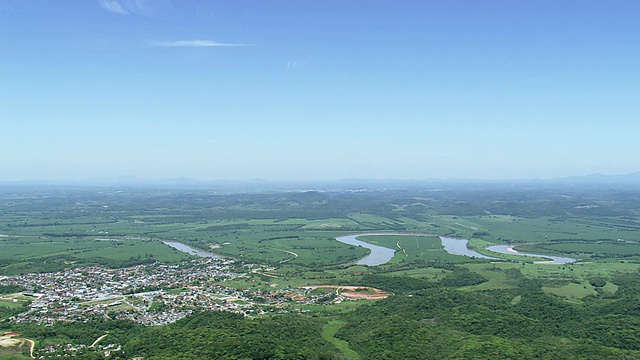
(412, 248)
(328, 333)
(441, 304)
(29, 254)
(300, 241)
(589, 250)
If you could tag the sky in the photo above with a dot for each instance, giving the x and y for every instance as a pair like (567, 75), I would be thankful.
(318, 90)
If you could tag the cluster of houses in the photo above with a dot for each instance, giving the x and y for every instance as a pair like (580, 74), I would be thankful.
(70, 350)
(150, 294)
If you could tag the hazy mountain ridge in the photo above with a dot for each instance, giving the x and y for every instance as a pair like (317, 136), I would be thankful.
(252, 185)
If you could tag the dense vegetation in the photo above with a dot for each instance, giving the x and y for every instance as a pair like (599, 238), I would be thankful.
(214, 335)
(523, 322)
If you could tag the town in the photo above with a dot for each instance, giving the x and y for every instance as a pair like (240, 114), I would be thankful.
(150, 294)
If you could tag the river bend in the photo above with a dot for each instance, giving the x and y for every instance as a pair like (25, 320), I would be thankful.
(381, 255)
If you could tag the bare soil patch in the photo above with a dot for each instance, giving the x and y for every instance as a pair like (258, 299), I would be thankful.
(11, 340)
(354, 292)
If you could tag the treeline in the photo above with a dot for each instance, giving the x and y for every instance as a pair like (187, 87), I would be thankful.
(206, 335)
(218, 335)
(403, 284)
(11, 289)
(119, 331)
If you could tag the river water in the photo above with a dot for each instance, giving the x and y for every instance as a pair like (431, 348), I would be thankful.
(189, 250)
(459, 247)
(381, 255)
(508, 249)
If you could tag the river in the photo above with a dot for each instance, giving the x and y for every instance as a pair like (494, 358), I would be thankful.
(189, 250)
(381, 255)
(508, 249)
(456, 246)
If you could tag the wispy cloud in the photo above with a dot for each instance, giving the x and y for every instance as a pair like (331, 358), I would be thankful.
(196, 43)
(137, 7)
(298, 64)
(113, 6)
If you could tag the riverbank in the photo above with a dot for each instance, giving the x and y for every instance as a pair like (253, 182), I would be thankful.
(380, 255)
(509, 250)
(190, 250)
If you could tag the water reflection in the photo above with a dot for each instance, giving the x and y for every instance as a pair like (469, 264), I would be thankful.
(189, 250)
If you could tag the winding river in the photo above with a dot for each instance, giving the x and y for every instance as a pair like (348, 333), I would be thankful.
(189, 250)
(456, 246)
(508, 249)
(381, 255)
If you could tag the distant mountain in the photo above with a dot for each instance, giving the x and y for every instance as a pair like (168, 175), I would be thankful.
(261, 185)
(626, 179)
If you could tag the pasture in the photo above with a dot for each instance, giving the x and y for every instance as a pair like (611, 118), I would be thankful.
(35, 254)
(294, 232)
(411, 248)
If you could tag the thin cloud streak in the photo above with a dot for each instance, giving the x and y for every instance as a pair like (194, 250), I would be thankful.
(113, 6)
(197, 43)
(133, 7)
(298, 64)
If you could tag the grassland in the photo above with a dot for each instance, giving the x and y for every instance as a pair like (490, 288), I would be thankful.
(291, 235)
(294, 232)
(298, 241)
(33, 254)
(328, 333)
(411, 248)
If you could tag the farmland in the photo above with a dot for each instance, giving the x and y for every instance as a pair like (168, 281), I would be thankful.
(284, 242)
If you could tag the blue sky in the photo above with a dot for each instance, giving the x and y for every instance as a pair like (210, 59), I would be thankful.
(300, 90)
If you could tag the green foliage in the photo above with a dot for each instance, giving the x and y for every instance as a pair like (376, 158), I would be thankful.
(120, 331)
(10, 289)
(427, 318)
(8, 308)
(215, 335)
(401, 284)
(598, 282)
(489, 324)
(13, 357)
